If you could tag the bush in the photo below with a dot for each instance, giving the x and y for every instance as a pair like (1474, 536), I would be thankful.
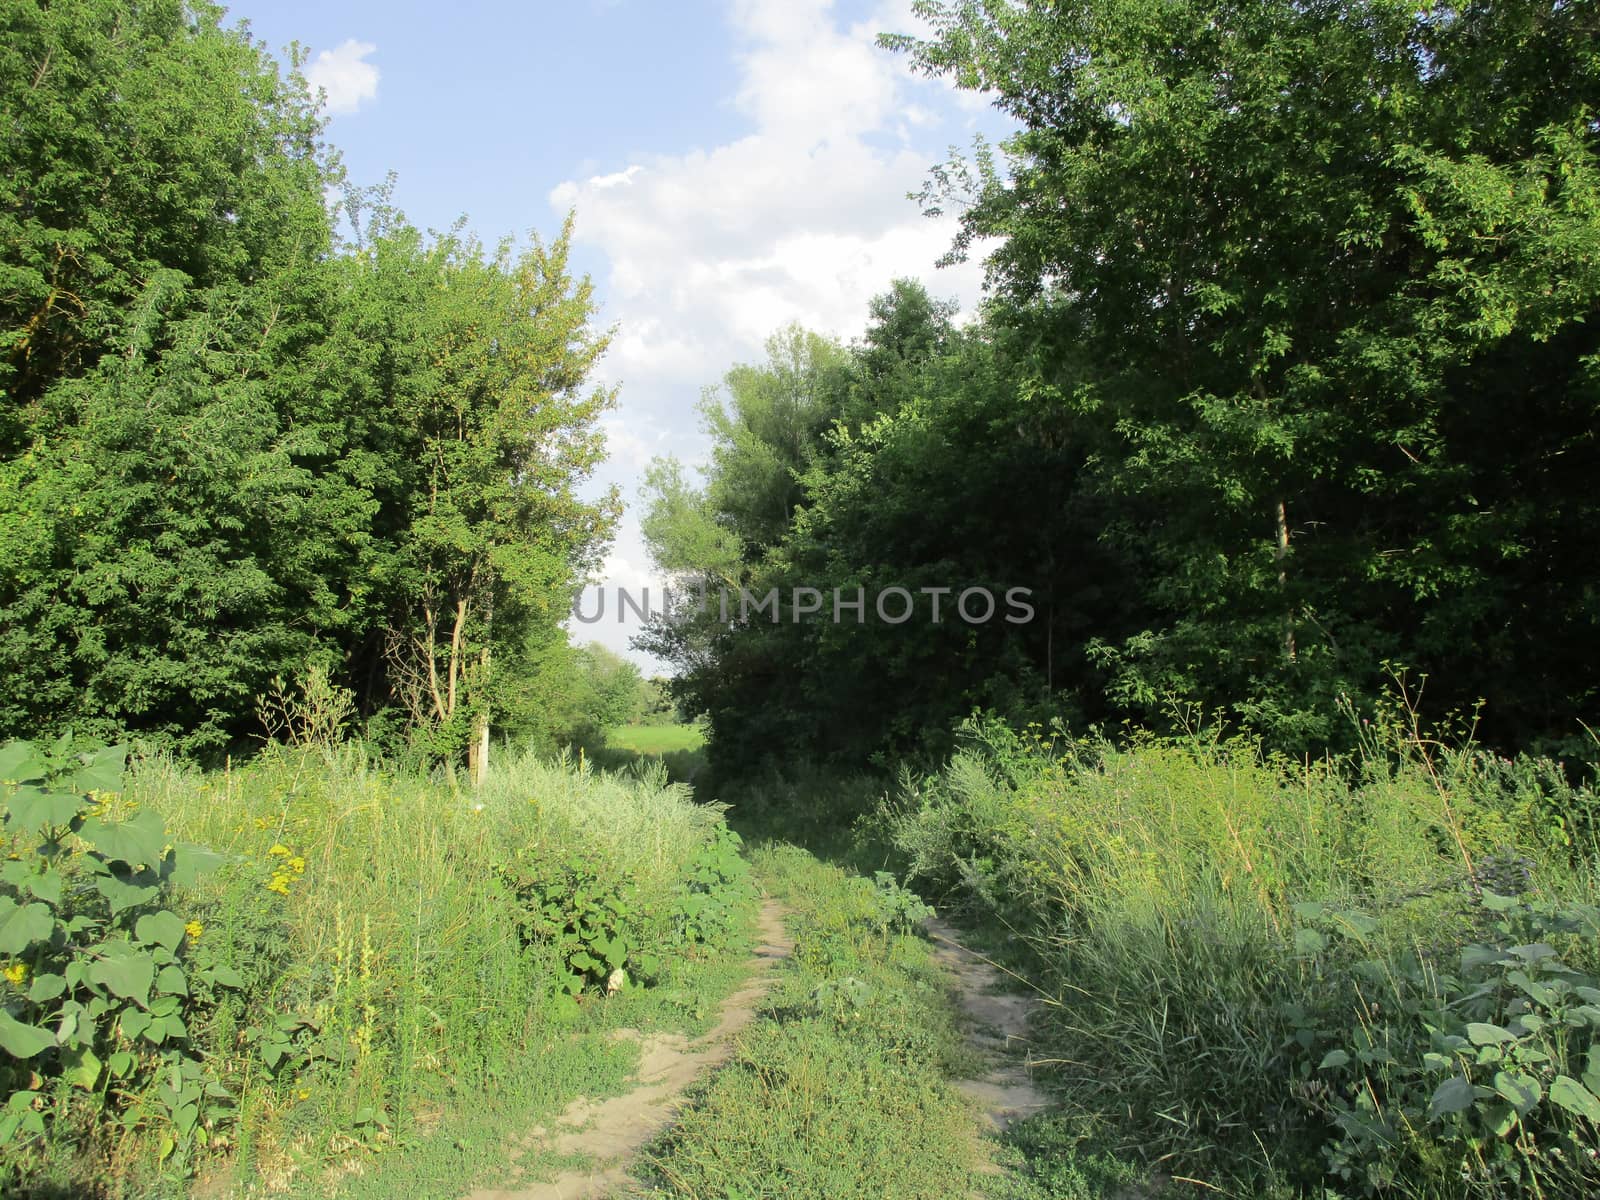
(1160, 888)
(100, 987)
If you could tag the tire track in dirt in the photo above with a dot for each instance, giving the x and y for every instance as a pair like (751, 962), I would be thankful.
(612, 1131)
(999, 1031)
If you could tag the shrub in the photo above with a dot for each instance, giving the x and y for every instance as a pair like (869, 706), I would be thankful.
(100, 986)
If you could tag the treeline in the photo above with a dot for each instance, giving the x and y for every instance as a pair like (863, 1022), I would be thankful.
(246, 433)
(1287, 384)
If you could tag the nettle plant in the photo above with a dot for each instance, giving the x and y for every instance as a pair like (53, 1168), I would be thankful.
(1486, 1076)
(97, 994)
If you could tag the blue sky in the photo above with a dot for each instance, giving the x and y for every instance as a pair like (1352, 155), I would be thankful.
(734, 165)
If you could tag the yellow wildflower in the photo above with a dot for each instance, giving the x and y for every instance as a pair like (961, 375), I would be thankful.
(298, 865)
(194, 929)
(17, 973)
(279, 849)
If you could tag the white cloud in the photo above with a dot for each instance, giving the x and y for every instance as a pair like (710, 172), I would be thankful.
(345, 76)
(803, 218)
(616, 179)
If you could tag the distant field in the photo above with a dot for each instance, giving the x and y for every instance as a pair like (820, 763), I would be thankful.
(655, 739)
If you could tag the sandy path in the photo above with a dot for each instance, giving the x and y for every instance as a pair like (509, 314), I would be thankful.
(999, 1021)
(613, 1131)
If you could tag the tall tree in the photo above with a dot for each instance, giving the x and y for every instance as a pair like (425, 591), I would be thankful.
(1307, 249)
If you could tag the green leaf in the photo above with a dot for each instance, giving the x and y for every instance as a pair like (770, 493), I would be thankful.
(22, 1041)
(34, 808)
(1333, 1058)
(1575, 1098)
(171, 982)
(1521, 1091)
(160, 928)
(1310, 941)
(189, 862)
(121, 1063)
(80, 1067)
(46, 885)
(22, 926)
(137, 840)
(20, 762)
(1482, 1033)
(46, 987)
(226, 977)
(103, 770)
(126, 975)
(1452, 1096)
(122, 894)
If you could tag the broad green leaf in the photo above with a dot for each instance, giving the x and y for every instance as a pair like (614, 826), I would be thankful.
(22, 926)
(1310, 941)
(22, 1041)
(1521, 1091)
(46, 987)
(80, 1067)
(1333, 1058)
(103, 771)
(34, 808)
(137, 840)
(20, 762)
(189, 862)
(122, 894)
(170, 981)
(1484, 1034)
(1575, 1098)
(46, 885)
(127, 975)
(160, 928)
(1452, 1096)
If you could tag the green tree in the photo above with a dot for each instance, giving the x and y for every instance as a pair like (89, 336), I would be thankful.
(1331, 270)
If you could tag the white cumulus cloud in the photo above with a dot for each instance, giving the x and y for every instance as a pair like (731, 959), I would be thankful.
(345, 75)
(804, 217)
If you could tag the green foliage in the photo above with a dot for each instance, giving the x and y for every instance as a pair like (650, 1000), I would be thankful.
(587, 918)
(1265, 970)
(355, 971)
(1486, 1074)
(235, 444)
(840, 1089)
(102, 985)
(715, 890)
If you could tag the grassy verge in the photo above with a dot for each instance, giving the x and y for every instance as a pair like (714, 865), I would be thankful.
(1376, 977)
(380, 978)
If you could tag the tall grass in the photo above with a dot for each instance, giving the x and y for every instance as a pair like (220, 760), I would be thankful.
(389, 979)
(1159, 890)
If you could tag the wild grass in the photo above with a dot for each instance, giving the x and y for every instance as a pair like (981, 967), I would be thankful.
(841, 1089)
(656, 739)
(402, 1011)
(1161, 892)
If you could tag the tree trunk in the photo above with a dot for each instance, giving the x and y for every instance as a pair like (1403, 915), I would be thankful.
(1283, 579)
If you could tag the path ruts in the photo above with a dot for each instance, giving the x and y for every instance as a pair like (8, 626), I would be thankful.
(611, 1132)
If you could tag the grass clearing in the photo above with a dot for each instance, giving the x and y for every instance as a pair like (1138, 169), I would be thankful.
(656, 740)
